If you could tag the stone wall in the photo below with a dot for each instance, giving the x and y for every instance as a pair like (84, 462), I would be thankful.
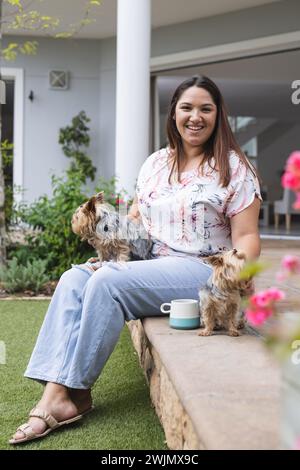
(177, 425)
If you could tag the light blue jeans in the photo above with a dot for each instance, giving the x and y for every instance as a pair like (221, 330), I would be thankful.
(88, 310)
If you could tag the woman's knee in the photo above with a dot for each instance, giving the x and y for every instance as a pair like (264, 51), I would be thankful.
(108, 279)
(73, 278)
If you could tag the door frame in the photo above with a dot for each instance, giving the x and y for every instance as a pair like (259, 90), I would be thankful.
(17, 75)
(229, 51)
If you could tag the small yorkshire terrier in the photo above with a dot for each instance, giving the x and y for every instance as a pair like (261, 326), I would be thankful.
(114, 237)
(220, 298)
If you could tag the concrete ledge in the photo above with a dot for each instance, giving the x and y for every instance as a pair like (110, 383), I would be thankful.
(209, 393)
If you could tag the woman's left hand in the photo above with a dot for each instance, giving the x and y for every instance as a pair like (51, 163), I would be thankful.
(248, 288)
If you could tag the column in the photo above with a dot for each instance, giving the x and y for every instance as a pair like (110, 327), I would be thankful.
(133, 90)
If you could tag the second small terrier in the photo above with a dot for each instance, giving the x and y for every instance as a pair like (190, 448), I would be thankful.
(220, 298)
(114, 237)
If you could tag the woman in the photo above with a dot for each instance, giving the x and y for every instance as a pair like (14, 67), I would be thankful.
(197, 197)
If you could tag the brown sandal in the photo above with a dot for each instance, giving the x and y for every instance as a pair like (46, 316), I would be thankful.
(30, 434)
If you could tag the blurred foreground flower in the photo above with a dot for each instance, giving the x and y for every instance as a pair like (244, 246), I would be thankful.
(262, 305)
(263, 310)
(278, 321)
(290, 264)
(291, 176)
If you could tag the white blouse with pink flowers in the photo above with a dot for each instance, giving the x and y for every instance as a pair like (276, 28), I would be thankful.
(191, 218)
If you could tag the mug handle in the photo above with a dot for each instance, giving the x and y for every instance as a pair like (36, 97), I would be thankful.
(162, 307)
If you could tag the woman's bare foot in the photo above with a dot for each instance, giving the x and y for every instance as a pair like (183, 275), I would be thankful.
(62, 403)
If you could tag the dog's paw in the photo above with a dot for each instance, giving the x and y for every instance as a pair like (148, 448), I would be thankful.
(205, 332)
(234, 333)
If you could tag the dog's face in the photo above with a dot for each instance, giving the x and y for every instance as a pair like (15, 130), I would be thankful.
(86, 216)
(227, 267)
(94, 220)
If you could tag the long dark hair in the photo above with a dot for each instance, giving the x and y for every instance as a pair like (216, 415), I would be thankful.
(221, 141)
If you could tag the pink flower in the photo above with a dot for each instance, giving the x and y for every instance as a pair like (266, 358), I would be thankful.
(293, 163)
(257, 317)
(260, 300)
(291, 264)
(262, 305)
(266, 298)
(290, 180)
(119, 200)
(275, 294)
(281, 276)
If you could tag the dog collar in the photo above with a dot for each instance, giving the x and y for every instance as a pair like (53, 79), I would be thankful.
(212, 288)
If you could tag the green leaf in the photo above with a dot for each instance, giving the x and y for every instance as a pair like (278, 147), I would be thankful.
(29, 47)
(15, 3)
(252, 268)
(63, 35)
(10, 53)
(12, 45)
(87, 21)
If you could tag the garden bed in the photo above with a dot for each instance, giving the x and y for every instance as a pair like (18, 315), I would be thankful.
(45, 293)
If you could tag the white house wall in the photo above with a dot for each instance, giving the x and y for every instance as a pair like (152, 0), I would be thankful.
(52, 109)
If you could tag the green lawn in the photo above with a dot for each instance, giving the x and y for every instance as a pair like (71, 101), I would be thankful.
(123, 417)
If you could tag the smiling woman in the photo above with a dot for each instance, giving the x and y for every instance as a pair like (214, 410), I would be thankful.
(195, 194)
(206, 209)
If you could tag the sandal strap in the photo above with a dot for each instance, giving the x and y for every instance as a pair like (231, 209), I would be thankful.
(47, 417)
(27, 430)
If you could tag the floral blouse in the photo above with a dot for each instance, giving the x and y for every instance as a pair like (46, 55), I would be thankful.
(192, 218)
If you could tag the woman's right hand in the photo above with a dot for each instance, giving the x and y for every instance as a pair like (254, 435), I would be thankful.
(93, 260)
(94, 263)
(134, 214)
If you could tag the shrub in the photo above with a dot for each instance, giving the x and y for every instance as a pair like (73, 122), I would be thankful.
(74, 139)
(53, 240)
(18, 277)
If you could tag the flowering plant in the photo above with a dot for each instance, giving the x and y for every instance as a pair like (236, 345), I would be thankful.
(291, 177)
(280, 329)
(263, 310)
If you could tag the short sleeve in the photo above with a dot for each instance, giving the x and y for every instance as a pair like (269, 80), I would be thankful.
(243, 189)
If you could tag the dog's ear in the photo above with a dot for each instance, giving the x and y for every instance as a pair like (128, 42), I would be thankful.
(100, 197)
(215, 260)
(90, 205)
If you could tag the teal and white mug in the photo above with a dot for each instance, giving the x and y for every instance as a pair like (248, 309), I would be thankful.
(184, 313)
